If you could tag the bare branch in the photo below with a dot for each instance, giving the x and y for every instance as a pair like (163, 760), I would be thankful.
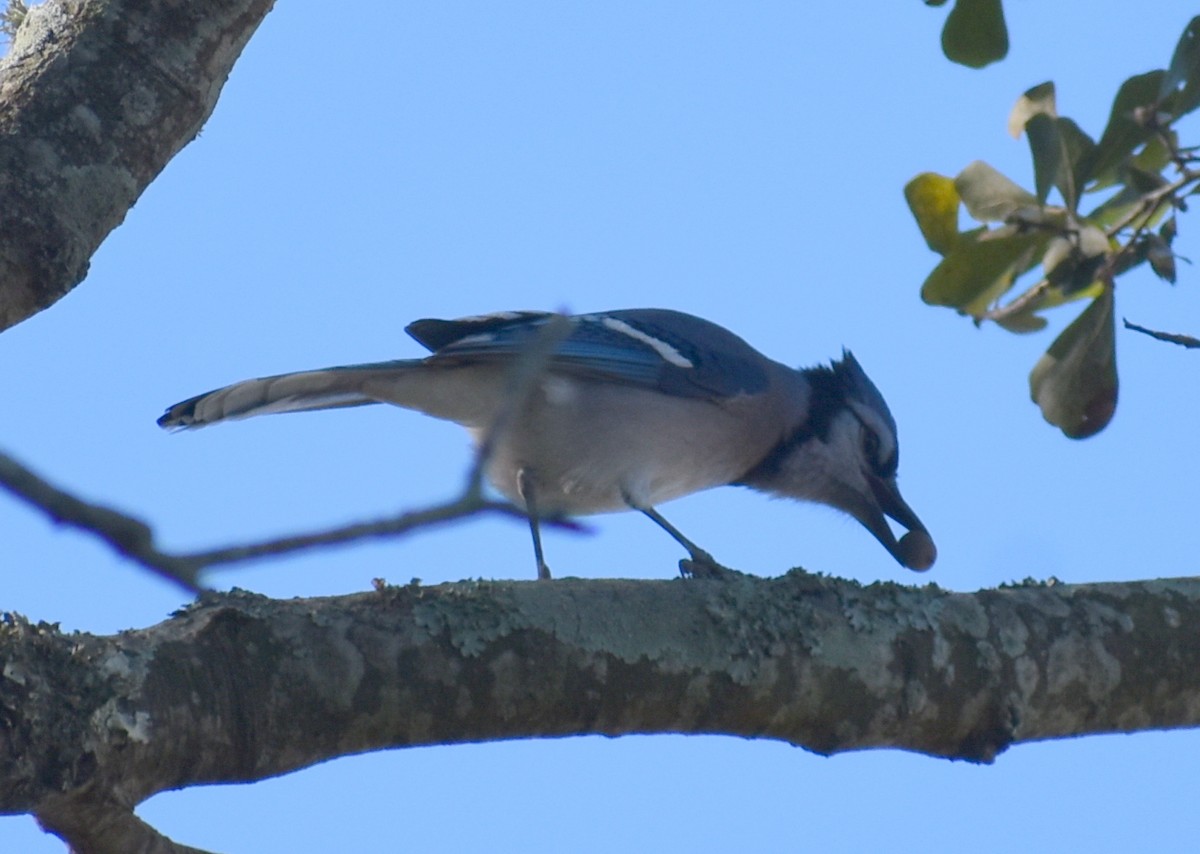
(1170, 337)
(459, 508)
(128, 536)
(134, 539)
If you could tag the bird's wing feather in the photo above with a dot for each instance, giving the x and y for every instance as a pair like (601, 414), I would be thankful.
(667, 351)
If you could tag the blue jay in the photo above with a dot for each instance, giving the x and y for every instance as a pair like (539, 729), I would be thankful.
(631, 409)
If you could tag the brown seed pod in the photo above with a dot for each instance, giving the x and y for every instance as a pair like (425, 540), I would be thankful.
(917, 549)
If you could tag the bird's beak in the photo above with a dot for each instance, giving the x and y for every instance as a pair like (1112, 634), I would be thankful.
(915, 549)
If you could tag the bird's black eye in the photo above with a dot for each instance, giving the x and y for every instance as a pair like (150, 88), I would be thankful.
(870, 443)
(872, 454)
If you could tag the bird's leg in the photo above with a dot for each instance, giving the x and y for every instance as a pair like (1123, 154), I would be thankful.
(701, 564)
(526, 488)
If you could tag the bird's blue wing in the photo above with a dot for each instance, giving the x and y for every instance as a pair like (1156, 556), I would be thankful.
(667, 351)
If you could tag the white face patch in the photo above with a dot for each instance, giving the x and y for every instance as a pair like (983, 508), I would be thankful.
(868, 416)
(829, 471)
(665, 350)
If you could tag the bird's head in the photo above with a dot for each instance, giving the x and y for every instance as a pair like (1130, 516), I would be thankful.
(845, 454)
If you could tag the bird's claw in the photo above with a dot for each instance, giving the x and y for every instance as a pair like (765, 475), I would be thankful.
(702, 565)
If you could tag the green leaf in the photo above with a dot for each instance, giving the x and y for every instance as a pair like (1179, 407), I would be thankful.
(1038, 101)
(1169, 230)
(1180, 87)
(989, 195)
(1140, 181)
(1075, 381)
(975, 34)
(1062, 156)
(1124, 131)
(1046, 146)
(980, 267)
(1021, 322)
(1156, 154)
(1078, 154)
(1130, 207)
(1161, 258)
(934, 203)
(1117, 208)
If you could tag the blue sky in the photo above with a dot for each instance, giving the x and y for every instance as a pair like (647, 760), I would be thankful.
(367, 166)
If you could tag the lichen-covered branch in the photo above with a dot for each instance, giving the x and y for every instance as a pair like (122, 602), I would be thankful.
(240, 687)
(95, 97)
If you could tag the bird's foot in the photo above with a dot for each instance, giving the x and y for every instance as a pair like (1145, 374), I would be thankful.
(702, 565)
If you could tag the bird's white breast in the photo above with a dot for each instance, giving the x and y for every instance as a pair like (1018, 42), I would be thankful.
(595, 447)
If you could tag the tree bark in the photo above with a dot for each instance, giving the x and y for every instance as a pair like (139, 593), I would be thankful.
(239, 687)
(95, 97)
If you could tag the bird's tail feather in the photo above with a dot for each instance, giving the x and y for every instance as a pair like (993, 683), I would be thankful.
(330, 388)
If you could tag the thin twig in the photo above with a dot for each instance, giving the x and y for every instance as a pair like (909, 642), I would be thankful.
(520, 382)
(128, 536)
(1170, 337)
(459, 508)
(1018, 305)
(134, 539)
(1151, 201)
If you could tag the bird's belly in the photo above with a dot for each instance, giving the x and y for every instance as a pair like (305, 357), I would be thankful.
(585, 454)
(593, 486)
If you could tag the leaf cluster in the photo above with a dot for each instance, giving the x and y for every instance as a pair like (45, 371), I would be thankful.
(1139, 176)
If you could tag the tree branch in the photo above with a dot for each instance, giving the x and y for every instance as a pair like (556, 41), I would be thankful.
(132, 538)
(127, 536)
(240, 687)
(1170, 337)
(95, 97)
(89, 824)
